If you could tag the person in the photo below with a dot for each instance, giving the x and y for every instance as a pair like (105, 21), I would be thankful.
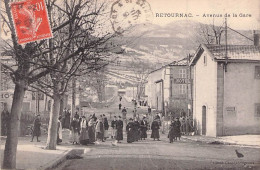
(182, 120)
(155, 129)
(59, 131)
(106, 126)
(36, 128)
(136, 129)
(113, 125)
(75, 130)
(130, 131)
(135, 103)
(120, 105)
(176, 129)
(5, 115)
(67, 119)
(84, 137)
(91, 130)
(134, 114)
(124, 112)
(77, 115)
(119, 129)
(171, 135)
(143, 128)
(100, 129)
(64, 117)
(149, 110)
(120, 98)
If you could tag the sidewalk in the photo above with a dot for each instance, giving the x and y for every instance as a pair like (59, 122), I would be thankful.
(32, 155)
(242, 140)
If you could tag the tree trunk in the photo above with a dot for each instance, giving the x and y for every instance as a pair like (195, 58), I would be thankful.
(62, 105)
(73, 106)
(53, 123)
(13, 128)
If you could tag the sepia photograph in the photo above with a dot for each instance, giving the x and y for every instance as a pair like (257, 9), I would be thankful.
(130, 84)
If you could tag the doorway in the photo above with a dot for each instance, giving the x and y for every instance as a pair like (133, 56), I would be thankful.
(204, 120)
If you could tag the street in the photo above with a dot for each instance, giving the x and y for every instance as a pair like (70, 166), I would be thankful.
(149, 154)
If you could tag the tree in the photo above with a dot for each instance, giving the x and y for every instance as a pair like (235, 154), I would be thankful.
(141, 70)
(45, 58)
(210, 34)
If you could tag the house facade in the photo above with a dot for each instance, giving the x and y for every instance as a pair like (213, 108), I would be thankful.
(168, 89)
(226, 90)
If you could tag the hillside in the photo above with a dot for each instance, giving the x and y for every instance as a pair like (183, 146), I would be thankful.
(173, 41)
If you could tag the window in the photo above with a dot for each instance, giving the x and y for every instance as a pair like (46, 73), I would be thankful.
(182, 88)
(257, 110)
(205, 60)
(257, 72)
(182, 73)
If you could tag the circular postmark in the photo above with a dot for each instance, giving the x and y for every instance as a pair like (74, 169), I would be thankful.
(127, 13)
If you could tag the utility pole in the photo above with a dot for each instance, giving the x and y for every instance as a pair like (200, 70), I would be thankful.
(226, 57)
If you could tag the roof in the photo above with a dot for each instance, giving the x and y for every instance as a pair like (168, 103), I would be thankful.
(234, 52)
(182, 62)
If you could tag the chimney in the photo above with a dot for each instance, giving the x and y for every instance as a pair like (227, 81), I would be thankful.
(256, 37)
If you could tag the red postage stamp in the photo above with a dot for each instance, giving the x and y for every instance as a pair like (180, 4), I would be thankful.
(31, 21)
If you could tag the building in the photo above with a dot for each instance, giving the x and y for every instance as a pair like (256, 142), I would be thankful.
(169, 88)
(34, 102)
(226, 89)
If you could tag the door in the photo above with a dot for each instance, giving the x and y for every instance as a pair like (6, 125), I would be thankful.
(204, 120)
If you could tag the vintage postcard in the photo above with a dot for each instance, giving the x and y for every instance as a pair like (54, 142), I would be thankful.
(130, 84)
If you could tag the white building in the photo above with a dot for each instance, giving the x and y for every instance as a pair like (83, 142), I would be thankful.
(227, 90)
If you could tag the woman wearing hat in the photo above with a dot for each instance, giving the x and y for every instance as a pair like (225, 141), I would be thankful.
(84, 137)
(91, 130)
(100, 129)
(130, 131)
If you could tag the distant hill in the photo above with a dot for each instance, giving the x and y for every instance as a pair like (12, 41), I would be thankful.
(172, 42)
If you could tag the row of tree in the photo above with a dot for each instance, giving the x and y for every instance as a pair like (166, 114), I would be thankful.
(78, 47)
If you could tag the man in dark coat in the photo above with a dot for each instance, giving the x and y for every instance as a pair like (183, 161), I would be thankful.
(120, 105)
(143, 128)
(119, 129)
(177, 129)
(130, 131)
(36, 128)
(155, 129)
(171, 132)
(5, 115)
(149, 110)
(136, 129)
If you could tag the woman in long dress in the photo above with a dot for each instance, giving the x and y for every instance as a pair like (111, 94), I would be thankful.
(106, 126)
(100, 129)
(84, 137)
(36, 128)
(130, 131)
(59, 131)
(91, 130)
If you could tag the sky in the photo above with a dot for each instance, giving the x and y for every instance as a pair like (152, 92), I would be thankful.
(200, 7)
